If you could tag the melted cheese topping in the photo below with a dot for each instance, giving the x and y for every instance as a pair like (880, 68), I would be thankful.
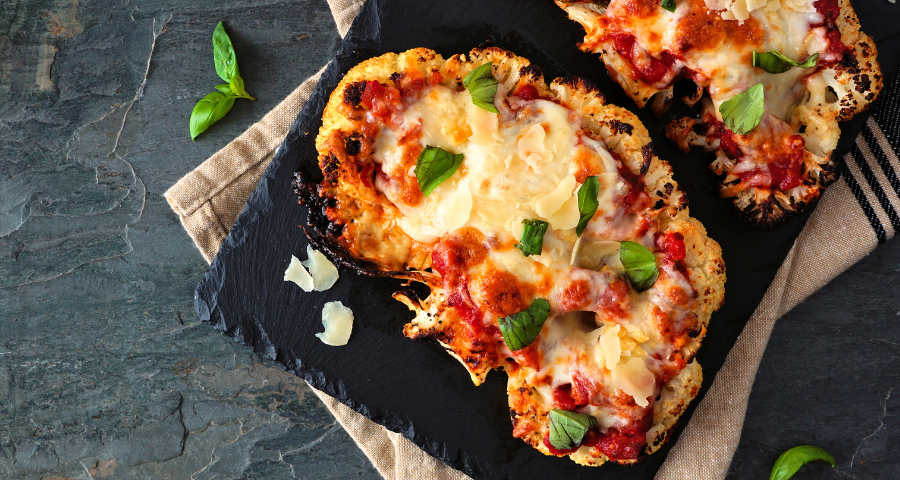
(520, 164)
(517, 168)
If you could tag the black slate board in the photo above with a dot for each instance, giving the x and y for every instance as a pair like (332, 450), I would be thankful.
(413, 387)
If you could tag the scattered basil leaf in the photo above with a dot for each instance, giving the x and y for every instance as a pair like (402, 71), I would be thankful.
(774, 62)
(214, 106)
(587, 202)
(208, 111)
(532, 237)
(567, 428)
(742, 113)
(640, 265)
(237, 86)
(435, 165)
(669, 5)
(223, 54)
(482, 87)
(791, 461)
(520, 329)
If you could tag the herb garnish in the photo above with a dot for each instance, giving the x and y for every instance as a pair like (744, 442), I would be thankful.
(587, 202)
(669, 5)
(482, 87)
(520, 329)
(567, 429)
(791, 461)
(214, 106)
(640, 265)
(742, 113)
(435, 165)
(774, 62)
(532, 237)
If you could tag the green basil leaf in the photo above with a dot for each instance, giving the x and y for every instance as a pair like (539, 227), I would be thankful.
(482, 87)
(669, 5)
(223, 54)
(811, 61)
(435, 165)
(237, 86)
(587, 202)
(640, 265)
(532, 237)
(224, 88)
(743, 112)
(520, 329)
(567, 428)
(208, 111)
(774, 62)
(791, 461)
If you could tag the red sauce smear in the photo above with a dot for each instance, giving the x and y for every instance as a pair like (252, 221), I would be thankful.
(554, 450)
(382, 101)
(625, 444)
(783, 155)
(651, 71)
(575, 395)
(526, 92)
(636, 196)
(727, 141)
(831, 10)
(673, 246)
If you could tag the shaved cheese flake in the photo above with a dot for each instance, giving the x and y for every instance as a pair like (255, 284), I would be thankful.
(484, 124)
(548, 204)
(566, 218)
(592, 254)
(634, 378)
(297, 274)
(531, 147)
(612, 349)
(456, 209)
(338, 322)
(323, 273)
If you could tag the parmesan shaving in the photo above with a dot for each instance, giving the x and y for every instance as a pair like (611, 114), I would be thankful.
(323, 273)
(612, 349)
(633, 378)
(531, 147)
(338, 322)
(297, 274)
(484, 124)
(547, 205)
(567, 216)
(457, 208)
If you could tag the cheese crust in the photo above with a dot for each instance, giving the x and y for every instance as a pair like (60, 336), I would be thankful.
(525, 162)
(775, 171)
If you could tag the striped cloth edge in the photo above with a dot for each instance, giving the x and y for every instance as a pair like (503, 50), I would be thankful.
(872, 165)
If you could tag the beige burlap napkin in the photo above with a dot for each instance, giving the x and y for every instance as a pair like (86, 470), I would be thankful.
(853, 217)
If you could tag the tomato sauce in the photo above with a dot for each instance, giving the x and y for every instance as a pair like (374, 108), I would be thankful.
(672, 244)
(650, 71)
(526, 92)
(625, 444)
(830, 10)
(382, 101)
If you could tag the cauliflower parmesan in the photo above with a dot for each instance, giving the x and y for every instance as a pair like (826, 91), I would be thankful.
(776, 170)
(605, 350)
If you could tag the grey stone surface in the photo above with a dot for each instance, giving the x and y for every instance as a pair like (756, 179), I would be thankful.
(830, 377)
(104, 370)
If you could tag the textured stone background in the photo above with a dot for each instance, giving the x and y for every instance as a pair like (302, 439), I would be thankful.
(104, 370)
